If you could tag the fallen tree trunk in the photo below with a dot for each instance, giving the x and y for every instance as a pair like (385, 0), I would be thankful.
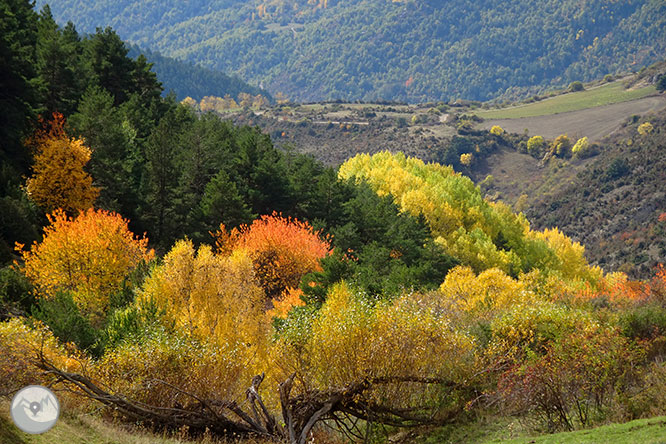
(300, 414)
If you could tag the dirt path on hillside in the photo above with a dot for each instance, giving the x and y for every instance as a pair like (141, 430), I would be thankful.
(594, 123)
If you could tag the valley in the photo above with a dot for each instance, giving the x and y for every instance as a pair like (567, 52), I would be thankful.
(328, 222)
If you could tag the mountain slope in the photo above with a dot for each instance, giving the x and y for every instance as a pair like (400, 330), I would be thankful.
(615, 205)
(186, 79)
(414, 50)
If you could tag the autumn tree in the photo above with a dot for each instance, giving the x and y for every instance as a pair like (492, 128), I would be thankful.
(645, 128)
(88, 256)
(535, 144)
(466, 159)
(59, 179)
(483, 295)
(496, 130)
(210, 296)
(282, 250)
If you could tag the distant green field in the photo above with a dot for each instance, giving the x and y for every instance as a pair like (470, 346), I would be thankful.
(593, 97)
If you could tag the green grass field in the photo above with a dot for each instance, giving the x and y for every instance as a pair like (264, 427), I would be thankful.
(505, 431)
(77, 430)
(643, 431)
(88, 430)
(591, 98)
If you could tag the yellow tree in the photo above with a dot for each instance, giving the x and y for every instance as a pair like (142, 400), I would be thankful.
(89, 256)
(211, 297)
(645, 128)
(496, 130)
(535, 144)
(483, 295)
(59, 179)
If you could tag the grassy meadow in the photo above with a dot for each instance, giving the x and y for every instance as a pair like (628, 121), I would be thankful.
(598, 96)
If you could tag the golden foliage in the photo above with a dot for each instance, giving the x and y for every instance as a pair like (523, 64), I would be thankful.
(58, 177)
(645, 128)
(460, 220)
(351, 340)
(496, 130)
(282, 250)
(211, 297)
(571, 256)
(530, 328)
(189, 101)
(148, 372)
(580, 146)
(466, 159)
(89, 256)
(478, 233)
(19, 350)
(290, 299)
(535, 144)
(485, 294)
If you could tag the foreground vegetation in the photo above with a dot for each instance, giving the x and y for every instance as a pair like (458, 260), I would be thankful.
(90, 430)
(496, 430)
(81, 429)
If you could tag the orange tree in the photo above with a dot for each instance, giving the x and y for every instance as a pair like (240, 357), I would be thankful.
(282, 250)
(59, 179)
(88, 256)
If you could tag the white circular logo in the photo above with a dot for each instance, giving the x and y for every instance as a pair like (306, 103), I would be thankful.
(35, 409)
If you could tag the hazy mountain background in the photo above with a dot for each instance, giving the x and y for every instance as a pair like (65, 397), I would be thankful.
(186, 79)
(411, 50)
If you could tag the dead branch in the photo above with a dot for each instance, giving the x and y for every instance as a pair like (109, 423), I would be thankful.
(300, 413)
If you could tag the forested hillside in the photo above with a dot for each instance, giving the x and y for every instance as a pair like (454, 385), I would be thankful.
(411, 50)
(189, 80)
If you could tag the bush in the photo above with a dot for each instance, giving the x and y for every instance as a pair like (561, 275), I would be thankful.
(16, 291)
(583, 149)
(576, 86)
(18, 347)
(618, 168)
(573, 382)
(496, 130)
(645, 322)
(646, 398)
(158, 371)
(645, 128)
(534, 145)
(134, 324)
(661, 83)
(561, 146)
(531, 329)
(67, 323)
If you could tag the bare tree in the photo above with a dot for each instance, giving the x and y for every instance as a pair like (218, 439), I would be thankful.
(344, 407)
